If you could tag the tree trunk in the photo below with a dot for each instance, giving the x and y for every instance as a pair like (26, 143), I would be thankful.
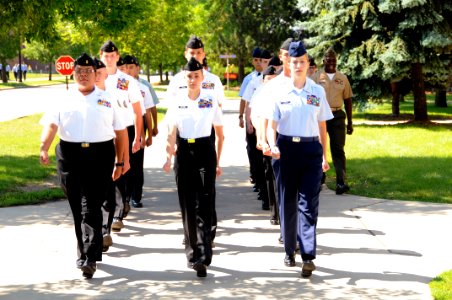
(50, 71)
(148, 74)
(440, 98)
(395, 99)
(420, 100)
(161, 72)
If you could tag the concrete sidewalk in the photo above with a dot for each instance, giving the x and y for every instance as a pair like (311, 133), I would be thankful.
(367, 248)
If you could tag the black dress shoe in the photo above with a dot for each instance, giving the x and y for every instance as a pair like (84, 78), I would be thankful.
(201, 269)
(342, 188)
(252, 181)
(137, 204)
(274, 222)
(126, 211)
(79, 263)
(307, 268)
(289, 260)
(280, 239)
(88, 269)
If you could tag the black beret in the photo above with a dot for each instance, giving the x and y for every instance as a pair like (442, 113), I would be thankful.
(194, 43)
(257, 52)
(269, 71)
(266, 54)
(285, 45)
(84, 60)
(120, 62)
(193, 65)
(275, 61)
(279, 71)
(297, 49)
(109, 46)
(137, 63)
(129, 60)
(98, 63)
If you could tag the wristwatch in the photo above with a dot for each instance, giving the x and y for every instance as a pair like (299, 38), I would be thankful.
(121, 164)
(240, 116)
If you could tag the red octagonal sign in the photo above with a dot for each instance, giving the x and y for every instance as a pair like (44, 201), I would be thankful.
(65, 65)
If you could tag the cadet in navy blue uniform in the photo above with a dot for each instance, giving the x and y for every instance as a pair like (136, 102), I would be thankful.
(190, 119)
(297, 137)
(87, 123)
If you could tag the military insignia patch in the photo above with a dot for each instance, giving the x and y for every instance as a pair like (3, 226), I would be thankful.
(122, 84)
(313, 100)
(205, 103)
(208, 85)
(338, 81)
(104, 103)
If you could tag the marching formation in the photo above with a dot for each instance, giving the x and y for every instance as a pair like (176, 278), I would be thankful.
(110, 117)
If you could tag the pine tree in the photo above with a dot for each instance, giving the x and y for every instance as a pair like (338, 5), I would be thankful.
(384, 41)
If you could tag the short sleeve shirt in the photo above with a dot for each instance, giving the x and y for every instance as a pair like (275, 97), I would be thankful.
(91, 118)
(155, 99)
(211, 82)
(194, 118)
(252, 86)
(337, 89)
(298, 112)
(126, 91)
(246, 81)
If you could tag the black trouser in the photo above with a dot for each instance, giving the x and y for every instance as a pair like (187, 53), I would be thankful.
(255, 157)
(195, 169)
(108, 208)
(130, 185)
(337, 131)
(85, 174)
(270, 182)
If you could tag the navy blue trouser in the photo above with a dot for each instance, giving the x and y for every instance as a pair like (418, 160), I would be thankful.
(298, 173)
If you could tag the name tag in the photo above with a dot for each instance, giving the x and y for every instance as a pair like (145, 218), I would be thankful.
(182, 107)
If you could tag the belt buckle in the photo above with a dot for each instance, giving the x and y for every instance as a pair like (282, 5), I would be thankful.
(296, 139)
(85, 145)
(191, 141)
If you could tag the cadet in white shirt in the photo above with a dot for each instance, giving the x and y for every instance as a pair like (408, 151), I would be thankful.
(298, 114)
(87, 123)
(134, 188)
(195, 49)
(127, 93)
(190, 119)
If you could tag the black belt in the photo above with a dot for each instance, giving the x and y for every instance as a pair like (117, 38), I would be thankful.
(298, 139)
(333, 109)
(194, 141)
(86, 144)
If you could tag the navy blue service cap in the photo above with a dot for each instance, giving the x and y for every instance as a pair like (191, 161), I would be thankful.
(275, 61)
(285, 45)
(193, 65)
(266, 54)
(297, 49)
(269, 71)
(257, 52)
(108, 47)
(129, 60)
(84, 60)
(120, 62)
(98, 63)
(194, 43)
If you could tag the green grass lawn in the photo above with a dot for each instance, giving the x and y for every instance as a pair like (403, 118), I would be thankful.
(23, 180)
(441, 286)
(33, 80)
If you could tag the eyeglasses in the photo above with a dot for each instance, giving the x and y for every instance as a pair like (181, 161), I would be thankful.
(84, 71)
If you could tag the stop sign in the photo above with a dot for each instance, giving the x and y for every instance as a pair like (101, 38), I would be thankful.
(65, 65)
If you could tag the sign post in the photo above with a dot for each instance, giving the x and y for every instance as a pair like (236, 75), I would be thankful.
(227, 57)
(65, 66)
